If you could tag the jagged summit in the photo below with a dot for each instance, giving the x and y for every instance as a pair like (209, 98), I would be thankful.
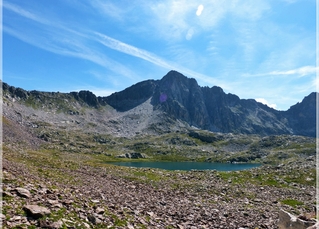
(175, 76)
(181, 99)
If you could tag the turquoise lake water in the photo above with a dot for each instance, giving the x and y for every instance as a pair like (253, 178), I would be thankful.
(188, 165)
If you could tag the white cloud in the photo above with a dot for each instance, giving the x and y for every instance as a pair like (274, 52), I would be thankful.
(302, 71)
(199, 10)
(299, 72)
(100, 92)
(264, 101)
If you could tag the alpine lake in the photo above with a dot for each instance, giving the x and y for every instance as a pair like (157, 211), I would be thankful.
(187, 166)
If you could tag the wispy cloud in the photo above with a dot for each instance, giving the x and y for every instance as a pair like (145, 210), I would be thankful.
(299, 72)
(216, 42)
(59, 39)
(65, 41)
(24, 13)
(154, 59)
(109, 9)
(303, 71)
(131, 50)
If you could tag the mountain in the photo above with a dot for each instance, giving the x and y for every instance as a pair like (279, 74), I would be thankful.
(176, 100)
(212, 109)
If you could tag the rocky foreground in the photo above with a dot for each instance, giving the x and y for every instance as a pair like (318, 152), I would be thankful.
(71, 194)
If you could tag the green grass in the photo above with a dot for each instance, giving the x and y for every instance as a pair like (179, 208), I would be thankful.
(293, 203)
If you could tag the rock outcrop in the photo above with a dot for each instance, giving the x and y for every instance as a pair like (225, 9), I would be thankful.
(302, 116)
(133, 155)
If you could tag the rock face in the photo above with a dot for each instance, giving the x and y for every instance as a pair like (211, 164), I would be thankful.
(131, 97)
(302, 116)
(86, 96)
(182, 99)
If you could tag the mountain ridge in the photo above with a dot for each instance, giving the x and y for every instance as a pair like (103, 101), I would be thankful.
(182, 99)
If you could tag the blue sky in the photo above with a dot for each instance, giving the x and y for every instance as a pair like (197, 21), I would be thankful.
(265, 49)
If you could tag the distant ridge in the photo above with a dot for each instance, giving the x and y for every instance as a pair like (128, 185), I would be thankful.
(182, 99)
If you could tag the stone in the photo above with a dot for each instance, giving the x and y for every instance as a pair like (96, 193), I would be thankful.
(36, 211)
(86, 225)
(23, 192)
(55, 203)
(56, 225)
(6, 194)
(290, 221)
(315, 226)
(67, 202)
(94, 220)
(2, 216)
(99, 210)
(130, 226)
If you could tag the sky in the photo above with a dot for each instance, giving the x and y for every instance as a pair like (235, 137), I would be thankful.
(263, 50)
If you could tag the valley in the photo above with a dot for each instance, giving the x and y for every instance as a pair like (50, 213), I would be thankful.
(57, 145)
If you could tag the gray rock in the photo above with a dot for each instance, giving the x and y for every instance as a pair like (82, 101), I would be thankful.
(50, 225)
(94, 220)
(287, 221)
(23, 192)
(36, 211)
(99, 210)
(56, 225)
(55, 203)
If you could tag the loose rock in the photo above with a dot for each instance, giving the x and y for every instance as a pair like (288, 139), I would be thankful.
(23, 192)
(36, 211)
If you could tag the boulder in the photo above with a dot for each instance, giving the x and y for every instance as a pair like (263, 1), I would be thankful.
(290, 221)
(23, 192)
(36, 211)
